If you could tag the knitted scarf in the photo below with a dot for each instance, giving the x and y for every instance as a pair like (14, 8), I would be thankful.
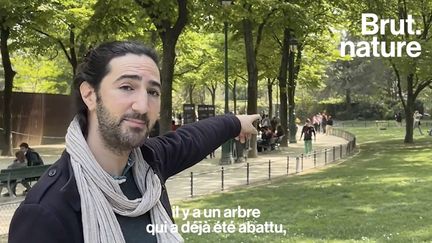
(102, 197)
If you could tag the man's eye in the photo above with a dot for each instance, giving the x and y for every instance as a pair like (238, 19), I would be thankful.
(126, 88)
(153, 93)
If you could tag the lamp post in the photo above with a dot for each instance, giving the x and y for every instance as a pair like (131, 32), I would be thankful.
(291, 90)
(226, 157)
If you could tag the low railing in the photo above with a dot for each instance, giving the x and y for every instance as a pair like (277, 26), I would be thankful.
(201, 183)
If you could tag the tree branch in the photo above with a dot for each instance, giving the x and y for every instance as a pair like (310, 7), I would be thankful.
(63, 47)
(260, 30)
(422, 86)
(398, 84)
(191, 68)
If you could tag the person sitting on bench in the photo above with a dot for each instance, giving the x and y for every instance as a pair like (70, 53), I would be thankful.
(265, 138)
(33, 158)
(19, 162)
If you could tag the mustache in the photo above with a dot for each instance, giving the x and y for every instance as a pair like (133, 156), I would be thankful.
(141, 117)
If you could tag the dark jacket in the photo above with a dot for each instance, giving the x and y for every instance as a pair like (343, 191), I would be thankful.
(51, 211)
(33, 158)
(308, 131)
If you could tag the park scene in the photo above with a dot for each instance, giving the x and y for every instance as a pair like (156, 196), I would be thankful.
(340, 152)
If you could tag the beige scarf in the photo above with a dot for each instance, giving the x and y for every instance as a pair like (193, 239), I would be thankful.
(102, 197)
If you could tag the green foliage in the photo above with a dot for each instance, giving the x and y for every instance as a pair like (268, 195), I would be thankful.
(198, 62)
(118, 19)
(40, 75)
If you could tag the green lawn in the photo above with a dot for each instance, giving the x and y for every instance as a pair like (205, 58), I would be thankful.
(382, 194)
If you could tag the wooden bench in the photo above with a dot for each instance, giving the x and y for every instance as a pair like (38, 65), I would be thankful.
(382, 125)
(30, 173)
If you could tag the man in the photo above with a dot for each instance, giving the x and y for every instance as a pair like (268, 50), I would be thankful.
(398, 118)
(308, 130)
(109, 183)
(417, 116)
(33, 158)
(266, 121)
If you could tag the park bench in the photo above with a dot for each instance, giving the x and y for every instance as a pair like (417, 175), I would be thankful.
(382, 125)
(30, 173)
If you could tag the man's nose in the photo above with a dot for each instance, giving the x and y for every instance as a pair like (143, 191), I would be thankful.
(140, 104)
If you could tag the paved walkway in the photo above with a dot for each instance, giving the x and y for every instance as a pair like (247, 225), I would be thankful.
(207, 175)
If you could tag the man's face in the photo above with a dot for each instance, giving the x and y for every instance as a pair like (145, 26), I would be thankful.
(128, 102)
(23, 149)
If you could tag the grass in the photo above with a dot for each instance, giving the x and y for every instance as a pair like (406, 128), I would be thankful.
(382, 194)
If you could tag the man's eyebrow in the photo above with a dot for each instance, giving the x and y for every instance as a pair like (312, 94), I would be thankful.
(138, 78)
(129, 76)
(155, 83)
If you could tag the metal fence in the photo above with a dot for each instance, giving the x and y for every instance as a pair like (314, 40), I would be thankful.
(6, 212)
(379, 123)
(201, 183)
(196, 184)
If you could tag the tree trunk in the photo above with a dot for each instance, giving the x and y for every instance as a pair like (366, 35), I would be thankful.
(169, 33)
(213, 96)
(270, 97)
(409, 111)
(9, 75)
(190, 93)
(73, 55)
(348, 99)
(234, 92)
(283, 69)
(167, 73)
(291, 95)
(252, 79)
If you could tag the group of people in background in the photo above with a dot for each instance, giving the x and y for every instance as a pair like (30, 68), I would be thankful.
(25, 156)
(322, 123)
(269, 129)
(417, 116)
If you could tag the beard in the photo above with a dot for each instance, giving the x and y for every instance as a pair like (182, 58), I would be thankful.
(116, 137)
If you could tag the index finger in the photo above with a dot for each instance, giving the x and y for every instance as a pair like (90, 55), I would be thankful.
(255, 117)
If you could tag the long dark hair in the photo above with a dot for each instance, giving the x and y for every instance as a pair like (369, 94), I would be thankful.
(95, 66)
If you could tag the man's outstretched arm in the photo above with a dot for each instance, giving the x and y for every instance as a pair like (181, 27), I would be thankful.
(176, 151)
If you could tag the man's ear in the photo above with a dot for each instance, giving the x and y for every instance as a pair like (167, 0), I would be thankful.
(88, 95)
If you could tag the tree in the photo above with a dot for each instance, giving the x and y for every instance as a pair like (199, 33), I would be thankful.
(195, 64)
(412, 74)
(253, 16)
(62, 26)
(14, 16)
(306, 25)
(169, 18)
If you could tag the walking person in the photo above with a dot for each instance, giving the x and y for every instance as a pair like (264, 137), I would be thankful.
(308, 130)
(316, 122)
(109, 183)
(417, 116)
(329, 126)
(323, 123)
